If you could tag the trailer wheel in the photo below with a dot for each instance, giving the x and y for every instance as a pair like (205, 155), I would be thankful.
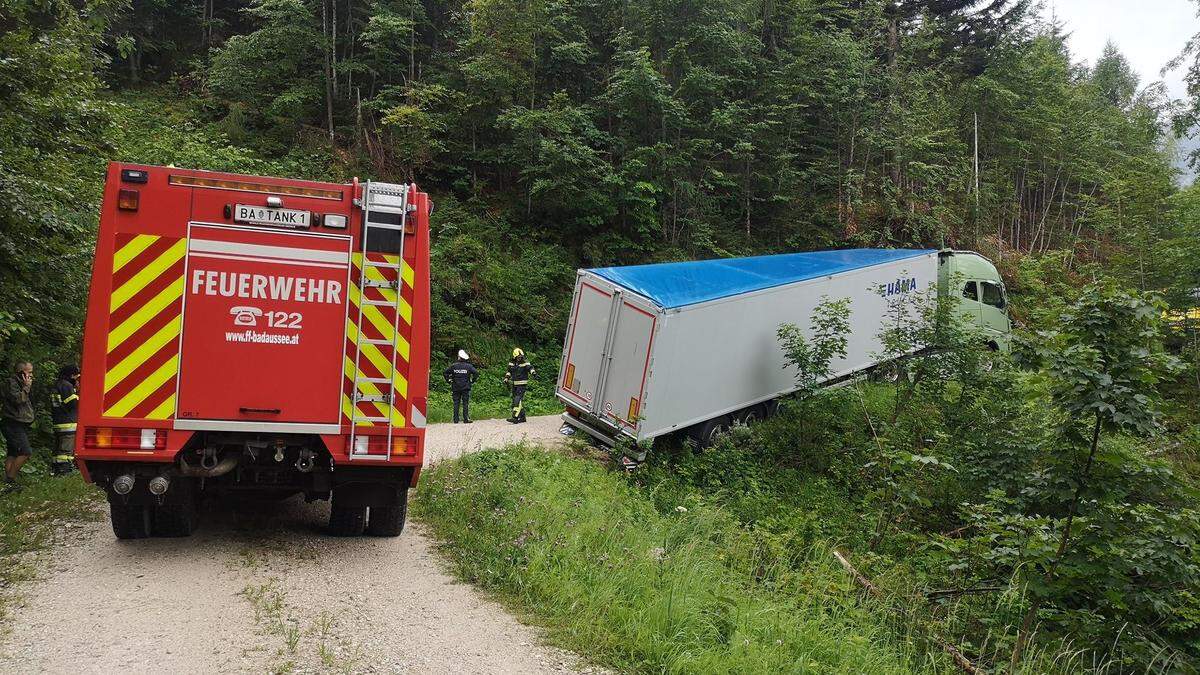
(388, 521)
(752, 415)
(347, 521)
(130, 521)
(706, 433)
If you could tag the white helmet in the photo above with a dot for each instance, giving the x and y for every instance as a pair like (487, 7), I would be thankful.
(462, 354)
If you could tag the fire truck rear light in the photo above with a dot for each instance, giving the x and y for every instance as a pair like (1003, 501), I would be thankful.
(334, 220)
(248, 186)
(403, 445)
(377, 445)
(127, 200)
(124, 439)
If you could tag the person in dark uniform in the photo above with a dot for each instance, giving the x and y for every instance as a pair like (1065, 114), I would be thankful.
(519, 372)
(461, 375)
(64, 411)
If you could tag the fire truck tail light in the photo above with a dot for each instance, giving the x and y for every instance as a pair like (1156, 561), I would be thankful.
(149, 439)
(127, 200)
(125, 439)
(376, 445)
(334, 220)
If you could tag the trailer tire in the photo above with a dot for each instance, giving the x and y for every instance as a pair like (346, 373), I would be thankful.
(752, 415)
(388, 521)
(347, 521)
(706, 433)
(130, 521)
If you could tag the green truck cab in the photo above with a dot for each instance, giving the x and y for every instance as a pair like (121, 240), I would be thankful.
(982, 299)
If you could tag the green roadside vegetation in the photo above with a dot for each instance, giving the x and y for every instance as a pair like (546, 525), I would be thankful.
(970, 494)
(648, 581)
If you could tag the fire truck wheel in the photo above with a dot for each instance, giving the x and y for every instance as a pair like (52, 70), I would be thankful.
(388, 521)
(130, 521)
(175, 520)
(347, 521)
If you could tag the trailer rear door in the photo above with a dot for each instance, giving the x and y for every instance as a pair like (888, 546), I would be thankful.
(587, 337)
(606, 358)
(628, 361)
(264, 329)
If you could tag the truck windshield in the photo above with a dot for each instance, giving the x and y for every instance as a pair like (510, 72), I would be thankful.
(993, 294)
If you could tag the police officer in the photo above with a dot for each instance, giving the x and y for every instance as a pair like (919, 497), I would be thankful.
(461, 375)
(64, 412)
(519, 372)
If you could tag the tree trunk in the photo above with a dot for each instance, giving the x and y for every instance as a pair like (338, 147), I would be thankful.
(328, 71)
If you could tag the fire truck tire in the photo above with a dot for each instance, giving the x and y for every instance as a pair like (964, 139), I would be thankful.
(174, 520)
(177, 517)
(130, 521)
(388, 521)
(347, 521)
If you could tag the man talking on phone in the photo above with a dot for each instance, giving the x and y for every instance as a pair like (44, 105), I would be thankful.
(16, 420)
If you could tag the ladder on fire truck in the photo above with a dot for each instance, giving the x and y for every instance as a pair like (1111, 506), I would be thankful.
(385, 208)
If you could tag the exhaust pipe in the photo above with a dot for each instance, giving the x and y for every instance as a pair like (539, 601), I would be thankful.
(123, 484)
(223, 467)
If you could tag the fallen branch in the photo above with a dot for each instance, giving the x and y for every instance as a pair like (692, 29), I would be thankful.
(959, 658)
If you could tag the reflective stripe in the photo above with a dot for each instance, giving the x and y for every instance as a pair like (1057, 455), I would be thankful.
(62, 458)
(521, 382)
(69, 426)
(72, 397)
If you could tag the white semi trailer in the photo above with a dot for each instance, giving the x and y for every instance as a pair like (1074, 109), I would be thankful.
(693, 347)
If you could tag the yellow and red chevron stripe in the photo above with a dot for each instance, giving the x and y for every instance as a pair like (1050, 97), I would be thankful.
(379, 361)
(144, 320)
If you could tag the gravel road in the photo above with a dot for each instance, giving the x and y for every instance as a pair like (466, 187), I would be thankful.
(260, 588)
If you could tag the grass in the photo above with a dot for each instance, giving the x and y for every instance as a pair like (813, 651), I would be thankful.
(29, 519)
(645, 586)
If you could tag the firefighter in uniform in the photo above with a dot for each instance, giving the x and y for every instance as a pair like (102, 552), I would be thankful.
(519, 372)
(64, 412)
(460, 376)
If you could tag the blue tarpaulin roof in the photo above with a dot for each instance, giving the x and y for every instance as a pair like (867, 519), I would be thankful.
(679, 284)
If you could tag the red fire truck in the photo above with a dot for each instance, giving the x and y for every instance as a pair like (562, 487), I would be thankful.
(253, 334)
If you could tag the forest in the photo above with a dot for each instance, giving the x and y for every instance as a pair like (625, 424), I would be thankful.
(560, 134)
